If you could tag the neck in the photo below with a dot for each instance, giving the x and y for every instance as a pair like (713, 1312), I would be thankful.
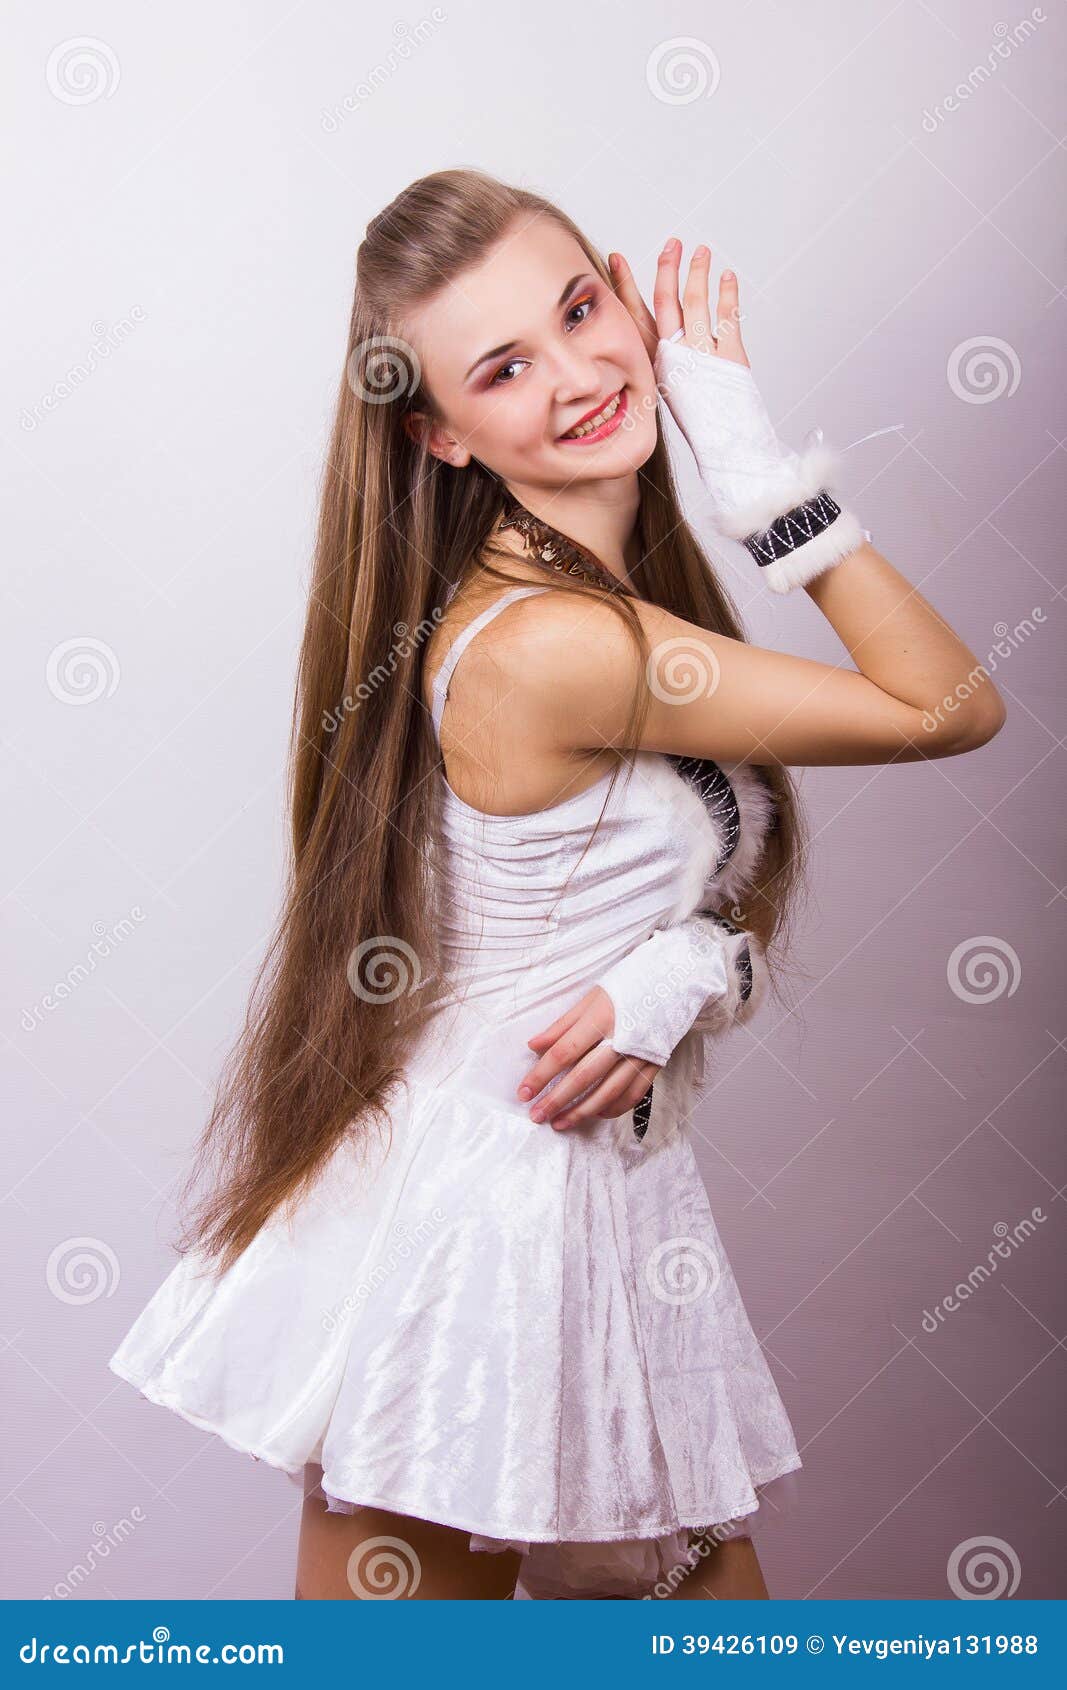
(600, 515)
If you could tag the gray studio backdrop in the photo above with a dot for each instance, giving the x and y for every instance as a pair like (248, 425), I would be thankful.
(886, 1162)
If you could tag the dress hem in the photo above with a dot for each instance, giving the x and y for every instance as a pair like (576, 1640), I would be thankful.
(625, 1534)
(594, 1535)
(160, 1398)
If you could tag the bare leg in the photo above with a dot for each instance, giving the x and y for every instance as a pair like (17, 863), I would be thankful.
(341, 1557)
(729, 1572)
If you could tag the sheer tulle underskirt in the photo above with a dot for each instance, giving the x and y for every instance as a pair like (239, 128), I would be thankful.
(632, 1568)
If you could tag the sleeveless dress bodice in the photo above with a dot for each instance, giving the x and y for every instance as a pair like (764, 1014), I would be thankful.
(537, 906)
(531, 1335)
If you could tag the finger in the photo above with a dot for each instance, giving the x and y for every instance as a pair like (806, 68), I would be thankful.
(579, 1030)
(561, 1025)
(563, 1053)
(621, 1090)
(728, 321)
(628, 291)
(696, 307)
(665, 299)
(578, 1078)
(592, 999)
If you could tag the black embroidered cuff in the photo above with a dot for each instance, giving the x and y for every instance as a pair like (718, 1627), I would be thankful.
(804, 541)
(794, 528)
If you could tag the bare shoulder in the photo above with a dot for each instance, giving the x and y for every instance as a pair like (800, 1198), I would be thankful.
(575, 662)
(518, 651)
(507, 746)
(553, 630)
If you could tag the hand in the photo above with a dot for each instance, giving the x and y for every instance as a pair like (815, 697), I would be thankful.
(576, 1038)
(721, 339)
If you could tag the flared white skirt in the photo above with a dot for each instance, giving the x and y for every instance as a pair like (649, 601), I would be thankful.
(533, 1336)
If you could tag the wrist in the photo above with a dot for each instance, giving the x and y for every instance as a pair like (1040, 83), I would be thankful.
(776, 502)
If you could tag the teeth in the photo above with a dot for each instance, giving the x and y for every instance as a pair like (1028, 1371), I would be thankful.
(595, 422)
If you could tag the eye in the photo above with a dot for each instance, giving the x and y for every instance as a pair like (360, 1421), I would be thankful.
(496, 379)
(587, 299)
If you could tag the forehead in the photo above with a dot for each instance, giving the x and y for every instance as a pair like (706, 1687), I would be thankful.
(509, 294)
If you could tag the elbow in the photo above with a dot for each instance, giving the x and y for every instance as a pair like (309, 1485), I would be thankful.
(959, 725)
(978, 727)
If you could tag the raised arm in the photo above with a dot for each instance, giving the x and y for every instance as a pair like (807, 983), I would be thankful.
(916, 690)
(757, 705)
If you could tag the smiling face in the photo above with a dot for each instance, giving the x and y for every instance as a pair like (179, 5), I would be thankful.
(524, 348)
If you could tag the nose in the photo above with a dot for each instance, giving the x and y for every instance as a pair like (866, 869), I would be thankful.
(575, 375)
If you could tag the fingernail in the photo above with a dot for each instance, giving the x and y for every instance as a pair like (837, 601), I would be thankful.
(613, 261)
(525, 1091)
(537, 1114)
(728, 276)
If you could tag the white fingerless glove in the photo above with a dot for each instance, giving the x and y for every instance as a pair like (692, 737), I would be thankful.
(704, 972)
(775, 501)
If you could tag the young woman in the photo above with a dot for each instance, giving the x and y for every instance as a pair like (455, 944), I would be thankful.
(544, 840)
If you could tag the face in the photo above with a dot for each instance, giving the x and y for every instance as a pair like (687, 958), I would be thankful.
(523, 348)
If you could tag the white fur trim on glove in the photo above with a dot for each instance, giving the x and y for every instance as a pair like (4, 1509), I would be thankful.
(704, 972)
(753, 480)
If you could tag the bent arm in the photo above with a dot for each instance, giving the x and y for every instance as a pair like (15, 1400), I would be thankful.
(901, 644)
(917, 692)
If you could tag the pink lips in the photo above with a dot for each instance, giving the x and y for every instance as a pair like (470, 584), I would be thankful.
(605, 428)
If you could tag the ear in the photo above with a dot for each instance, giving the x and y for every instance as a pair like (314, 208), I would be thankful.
(420, 426)
(415, 425)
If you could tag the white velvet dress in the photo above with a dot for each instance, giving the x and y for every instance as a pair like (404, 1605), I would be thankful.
(531, 1335)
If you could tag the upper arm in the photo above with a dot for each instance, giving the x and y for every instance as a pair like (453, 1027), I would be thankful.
(709, 695)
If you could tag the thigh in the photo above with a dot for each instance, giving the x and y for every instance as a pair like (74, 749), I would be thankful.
(374, 1555)
(727, 1572)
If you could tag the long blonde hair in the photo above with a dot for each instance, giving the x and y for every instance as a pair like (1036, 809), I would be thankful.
(337, 1000)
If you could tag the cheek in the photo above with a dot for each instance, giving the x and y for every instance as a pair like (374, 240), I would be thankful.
(625, 336)
(513, 421)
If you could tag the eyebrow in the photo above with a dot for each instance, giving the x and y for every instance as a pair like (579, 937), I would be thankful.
(498, 351)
